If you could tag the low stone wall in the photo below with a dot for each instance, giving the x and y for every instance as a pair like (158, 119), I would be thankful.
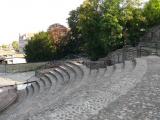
(152, 35)
(95, 64)
(13, 68)
(129, 53)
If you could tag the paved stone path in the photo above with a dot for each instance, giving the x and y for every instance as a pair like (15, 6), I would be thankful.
(6, 81)
(130, 93)
(18, 76)
(94, 95)
(140, 103)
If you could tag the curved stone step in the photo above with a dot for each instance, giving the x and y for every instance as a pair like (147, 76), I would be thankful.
(64, 90)
(77, 67)
(30, 90)
(54, 82)
(36, 87)
(43, 101)
(38, 84)
(8, 101)
(21, 98)
(22, 95)
(92, 104)
(58, 78)
(43, 83)
(66, 73)
(48, 81)
(63, 74)
(73, 73)
(83, 95)
(54, 76)
(58, 74)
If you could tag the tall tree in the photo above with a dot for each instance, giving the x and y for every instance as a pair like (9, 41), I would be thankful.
(39, 48)
(15, 45)
(152, 12)
(89, 26)
(76, 40)
(132, 20)
(107, 25)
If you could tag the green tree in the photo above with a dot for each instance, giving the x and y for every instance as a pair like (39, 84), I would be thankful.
(107, 25)
(75, 43)
(132, 20)
(4, 46)
(111, 28)
(100, 28)
(89, 27)
(152, 12)
(15, 45)
(39, 48)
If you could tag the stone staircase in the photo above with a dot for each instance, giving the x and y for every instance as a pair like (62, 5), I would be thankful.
(72, 91)
(7, 97)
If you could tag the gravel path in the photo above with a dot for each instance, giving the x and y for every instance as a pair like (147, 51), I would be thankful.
(95, 95)
(132, 93)
(140, 103)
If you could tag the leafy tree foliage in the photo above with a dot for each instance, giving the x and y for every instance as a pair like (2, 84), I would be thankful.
(106, 25)
(152, 12)
(15, 45)
(39, 48)
(98, 27)
(4, 46)
(90, 27)
(132, 21)
(75, 42)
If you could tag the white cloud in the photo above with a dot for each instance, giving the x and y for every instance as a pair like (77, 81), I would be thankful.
(20, 16)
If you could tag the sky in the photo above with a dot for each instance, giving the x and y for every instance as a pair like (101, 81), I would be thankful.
(30, 16)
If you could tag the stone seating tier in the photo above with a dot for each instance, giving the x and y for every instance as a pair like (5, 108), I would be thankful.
(72, 91)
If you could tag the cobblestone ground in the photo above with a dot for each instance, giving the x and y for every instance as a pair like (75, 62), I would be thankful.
(92, 96)
(140, 103)
(132, 93)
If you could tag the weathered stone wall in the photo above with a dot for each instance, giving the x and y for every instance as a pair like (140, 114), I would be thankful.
(152, 35)
(12, 68)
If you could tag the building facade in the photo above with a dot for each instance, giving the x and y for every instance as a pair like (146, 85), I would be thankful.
(23, 40)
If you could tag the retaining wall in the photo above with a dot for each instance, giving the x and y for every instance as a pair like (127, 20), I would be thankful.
(12, 68)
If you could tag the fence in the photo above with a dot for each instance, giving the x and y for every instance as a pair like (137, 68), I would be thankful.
(119, 56)
(126, 53)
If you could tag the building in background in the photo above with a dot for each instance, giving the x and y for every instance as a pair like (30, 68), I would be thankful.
(11, 57)
(23, 40)
(15, 59)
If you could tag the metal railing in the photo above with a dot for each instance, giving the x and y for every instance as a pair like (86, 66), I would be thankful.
(118, 56)
(126, 53)
(16, 84)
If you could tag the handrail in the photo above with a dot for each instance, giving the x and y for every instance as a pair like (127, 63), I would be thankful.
(117, 56)
(28, 82)
(8, 104)
(126, 53)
